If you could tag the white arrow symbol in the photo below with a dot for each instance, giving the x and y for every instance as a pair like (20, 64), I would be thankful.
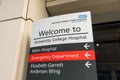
(88, 64)
(87, 55)
(86, 46)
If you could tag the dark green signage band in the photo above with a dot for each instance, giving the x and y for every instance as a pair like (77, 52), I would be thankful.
(63, 47)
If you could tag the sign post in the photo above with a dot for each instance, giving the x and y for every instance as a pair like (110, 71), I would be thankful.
(62, 49)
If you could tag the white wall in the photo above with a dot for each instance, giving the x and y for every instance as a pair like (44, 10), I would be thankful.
(16, 18)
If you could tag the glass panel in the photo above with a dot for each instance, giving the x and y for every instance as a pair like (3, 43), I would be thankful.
(104, 75)
(118, 75)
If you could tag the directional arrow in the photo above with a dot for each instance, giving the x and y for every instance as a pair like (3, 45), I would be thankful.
(87, 55)
(86, 46)
(88, 64)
